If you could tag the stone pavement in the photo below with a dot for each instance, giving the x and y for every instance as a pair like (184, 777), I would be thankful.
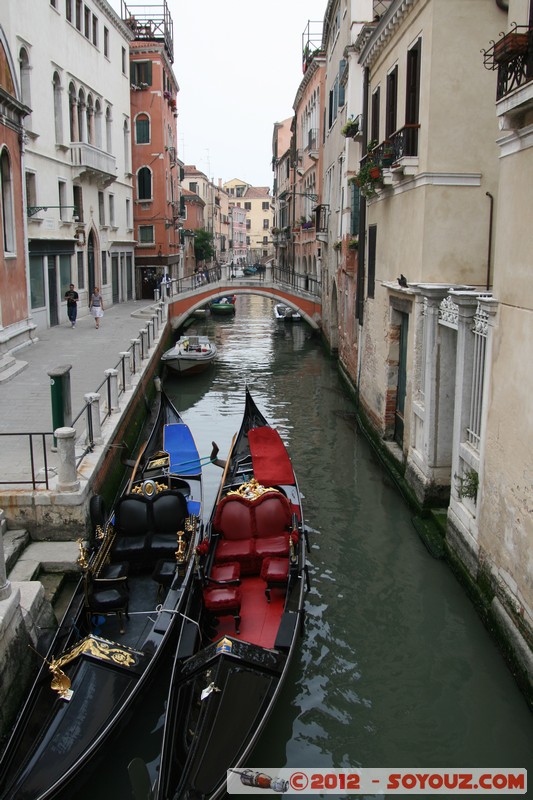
(25, 399)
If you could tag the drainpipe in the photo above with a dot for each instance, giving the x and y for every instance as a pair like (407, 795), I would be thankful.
(360, 284)
(489, 255)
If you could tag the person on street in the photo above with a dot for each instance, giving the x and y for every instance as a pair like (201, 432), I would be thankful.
(96, 306)
(71, 296)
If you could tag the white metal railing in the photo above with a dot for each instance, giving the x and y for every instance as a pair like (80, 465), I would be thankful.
(479, 330)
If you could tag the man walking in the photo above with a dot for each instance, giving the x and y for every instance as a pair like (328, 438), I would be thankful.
(71, 296)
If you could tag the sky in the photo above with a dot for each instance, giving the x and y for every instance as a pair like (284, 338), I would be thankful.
(238, 64)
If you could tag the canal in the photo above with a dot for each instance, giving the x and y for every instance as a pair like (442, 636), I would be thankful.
(395, 668)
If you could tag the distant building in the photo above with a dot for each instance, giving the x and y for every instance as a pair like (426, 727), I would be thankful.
(257, 201)
(283, 183)
(154, 147)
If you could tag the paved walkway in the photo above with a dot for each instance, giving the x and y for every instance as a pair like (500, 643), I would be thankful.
(25, 399)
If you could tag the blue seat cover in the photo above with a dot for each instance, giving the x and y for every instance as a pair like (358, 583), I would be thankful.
(179, 444)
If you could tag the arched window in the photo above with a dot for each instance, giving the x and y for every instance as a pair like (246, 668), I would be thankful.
(8, 219)
(89, 113)
(25, 88)
(58, 110)
(144, 184)
(109, 148)
(127, 148)
(142, 129)
(98, 124)
(81, 117)
(73, 113)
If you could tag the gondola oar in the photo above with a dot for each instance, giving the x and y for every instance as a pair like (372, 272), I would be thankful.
(228, 460)
(130, 484)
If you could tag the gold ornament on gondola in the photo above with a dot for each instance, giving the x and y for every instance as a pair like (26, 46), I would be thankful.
(251, 489)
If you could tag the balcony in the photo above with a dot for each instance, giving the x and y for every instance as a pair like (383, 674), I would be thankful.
(512, 56)
(93, 163)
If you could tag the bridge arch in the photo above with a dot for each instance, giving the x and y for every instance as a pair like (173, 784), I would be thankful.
(182, 305)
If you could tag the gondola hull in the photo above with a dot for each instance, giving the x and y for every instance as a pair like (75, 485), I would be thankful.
(97, 671)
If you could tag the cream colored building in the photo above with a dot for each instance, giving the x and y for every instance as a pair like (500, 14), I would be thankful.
(283, 180)
(258, 203)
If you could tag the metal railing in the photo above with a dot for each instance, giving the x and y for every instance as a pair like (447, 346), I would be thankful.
(35, 468)
(512, 56)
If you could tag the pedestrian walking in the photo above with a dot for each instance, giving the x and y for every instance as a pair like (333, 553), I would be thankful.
(71, 296)
(96, 306)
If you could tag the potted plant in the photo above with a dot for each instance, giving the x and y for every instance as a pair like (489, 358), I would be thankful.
(387, 159)
(337, 245)
(351, 128)
(367, 177)
(275, 231)
(353, 244)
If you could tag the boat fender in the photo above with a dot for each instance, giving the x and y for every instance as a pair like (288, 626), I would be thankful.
(149, 488)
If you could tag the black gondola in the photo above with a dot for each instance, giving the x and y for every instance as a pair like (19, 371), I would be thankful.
(124, 615)
(244, 617)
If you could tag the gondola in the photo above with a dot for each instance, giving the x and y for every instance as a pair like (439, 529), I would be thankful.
(243, 619)
(123, 618)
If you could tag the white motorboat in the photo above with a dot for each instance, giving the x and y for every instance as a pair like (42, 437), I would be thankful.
(190, 355)
(286, 313)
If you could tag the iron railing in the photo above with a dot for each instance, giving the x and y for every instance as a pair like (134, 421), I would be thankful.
(512, 56)
(34, 464)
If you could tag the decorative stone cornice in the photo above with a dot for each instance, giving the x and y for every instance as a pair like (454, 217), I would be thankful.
(375, 37)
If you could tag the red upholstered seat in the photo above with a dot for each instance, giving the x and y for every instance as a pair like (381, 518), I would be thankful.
(272, 546)
(222, 601)
(275, 572)
(226, 572)
(241, 551)
(233, 518)
(272, 513)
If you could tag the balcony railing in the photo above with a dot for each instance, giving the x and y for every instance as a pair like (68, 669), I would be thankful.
(512, 56)
(93, 161)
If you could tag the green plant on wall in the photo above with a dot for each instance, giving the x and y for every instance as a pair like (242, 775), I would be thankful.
(467, 484)
(368, 177)
(350, 128)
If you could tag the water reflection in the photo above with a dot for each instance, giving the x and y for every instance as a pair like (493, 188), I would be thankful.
(395, 669)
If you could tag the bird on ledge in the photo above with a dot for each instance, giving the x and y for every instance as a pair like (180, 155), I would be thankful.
(402, 280)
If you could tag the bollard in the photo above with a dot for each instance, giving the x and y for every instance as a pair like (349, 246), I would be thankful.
(136, 352)
(60, 397)
(155, 326)
(93, 425)
(66, 450)
(143, 334)
(126, 369)
(112, 390)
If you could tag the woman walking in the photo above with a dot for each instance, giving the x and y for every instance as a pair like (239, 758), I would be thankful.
(96, 306)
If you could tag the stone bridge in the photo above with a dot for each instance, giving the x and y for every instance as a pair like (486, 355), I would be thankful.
(299, 292)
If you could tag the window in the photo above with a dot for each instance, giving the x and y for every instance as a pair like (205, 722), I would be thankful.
(248, 224)
(65, 277)
(24, 64)
(68, 10)
(106, 42)
(248, 206)
(31, 191)
(108, 130)
(354, 209)
(141, 73)
(146, 234)
(104, 267)
(53, 3)
(266, 224)
(412, 99)
(58, 111)
(87, 22)
(78, 202)
(142, 129)
(144, 184)
(37, 282)
(112, 210)
(265, 239)
(265, 206)
(8, 220)
(62, 194)
(123, 60)
(101, 208)
(193, 187)
(127, 148)
(95, 31)
(372, 237)
(128, 213)
(374, 119)
(81, 271)
(78, 14)
(392, 103)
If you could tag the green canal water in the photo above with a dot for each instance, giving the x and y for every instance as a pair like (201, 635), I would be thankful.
(395, 668)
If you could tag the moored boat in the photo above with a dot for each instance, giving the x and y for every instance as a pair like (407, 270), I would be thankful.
(122, 620)
(243, 619)
(286, 313)
(190, 355)
(223, 305)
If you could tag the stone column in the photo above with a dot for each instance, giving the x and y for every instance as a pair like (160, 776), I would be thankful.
(112, 393)
(66, 474)
(136, 354)
(143, 335)
(126, 374)
(93, 409)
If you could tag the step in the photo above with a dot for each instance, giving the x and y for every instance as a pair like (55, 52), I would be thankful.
(9, 367)
(15, 542)
(53, 585)
(50, 557)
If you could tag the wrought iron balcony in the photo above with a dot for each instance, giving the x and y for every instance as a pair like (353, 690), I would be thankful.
(512, 56)
(93, 163)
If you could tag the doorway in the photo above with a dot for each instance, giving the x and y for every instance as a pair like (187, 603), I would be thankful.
(53, 304)
(402, 380)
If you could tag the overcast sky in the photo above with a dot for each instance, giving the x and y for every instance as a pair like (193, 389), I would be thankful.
(238, 64)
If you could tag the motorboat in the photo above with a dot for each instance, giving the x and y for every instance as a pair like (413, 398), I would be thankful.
(190, 355)
(286, 313)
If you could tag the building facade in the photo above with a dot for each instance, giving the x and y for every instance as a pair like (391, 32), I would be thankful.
(73, 72)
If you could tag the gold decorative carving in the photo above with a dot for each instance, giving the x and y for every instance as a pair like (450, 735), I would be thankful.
(99, 648)
(251, 490)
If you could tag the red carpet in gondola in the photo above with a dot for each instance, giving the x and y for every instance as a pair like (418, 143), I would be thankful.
(270, 459)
